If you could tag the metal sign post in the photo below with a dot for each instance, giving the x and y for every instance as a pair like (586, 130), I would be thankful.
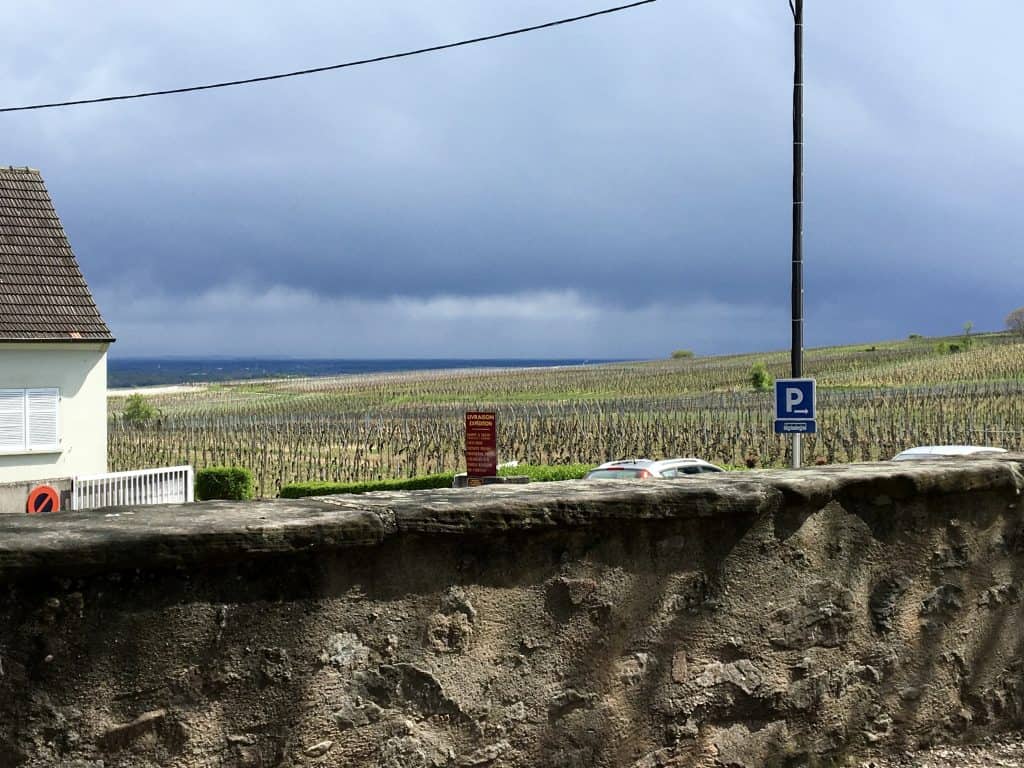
(797, 348)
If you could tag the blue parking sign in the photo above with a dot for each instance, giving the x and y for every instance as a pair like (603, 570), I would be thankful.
(795, 405)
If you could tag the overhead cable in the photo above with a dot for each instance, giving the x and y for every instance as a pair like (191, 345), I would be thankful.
(314, 70)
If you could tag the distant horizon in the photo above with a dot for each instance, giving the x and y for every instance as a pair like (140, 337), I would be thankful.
(129, 372)
(362, 359)
(112, 353)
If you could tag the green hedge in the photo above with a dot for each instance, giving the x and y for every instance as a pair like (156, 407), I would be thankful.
(298, 490)
(545, 473)
(234, 483)
(536, 473)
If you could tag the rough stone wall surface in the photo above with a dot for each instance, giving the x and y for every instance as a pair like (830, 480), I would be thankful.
(786, 618)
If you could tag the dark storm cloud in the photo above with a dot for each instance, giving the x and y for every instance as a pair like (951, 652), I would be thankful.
(638, 162)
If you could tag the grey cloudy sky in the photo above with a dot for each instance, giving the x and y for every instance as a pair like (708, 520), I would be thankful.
(614, 188)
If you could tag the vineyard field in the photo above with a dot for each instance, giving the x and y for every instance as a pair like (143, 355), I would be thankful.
(873, 402)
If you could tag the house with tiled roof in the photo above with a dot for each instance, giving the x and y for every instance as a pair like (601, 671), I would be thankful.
(53, 348)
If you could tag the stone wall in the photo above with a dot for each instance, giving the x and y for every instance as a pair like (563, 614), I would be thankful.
(13, 496)
(752, 619)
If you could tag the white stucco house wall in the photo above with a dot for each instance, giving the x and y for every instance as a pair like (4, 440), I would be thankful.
(53, 349)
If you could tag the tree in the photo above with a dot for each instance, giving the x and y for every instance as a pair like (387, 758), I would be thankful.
(138, 409)
(682, 354)
(1015, 321)
(759, 377)
(967, 341)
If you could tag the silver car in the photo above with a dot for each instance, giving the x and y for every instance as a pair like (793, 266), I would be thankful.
(923, 452)
(643, 468)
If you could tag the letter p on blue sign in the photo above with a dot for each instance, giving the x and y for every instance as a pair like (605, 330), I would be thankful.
(795, 400)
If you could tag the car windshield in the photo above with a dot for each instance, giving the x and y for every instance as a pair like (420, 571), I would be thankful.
(616, 473)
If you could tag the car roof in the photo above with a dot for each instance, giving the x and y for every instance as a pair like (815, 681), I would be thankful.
(626, 463)
(924, 451)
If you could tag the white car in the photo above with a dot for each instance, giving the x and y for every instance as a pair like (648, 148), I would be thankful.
(923, 452)
(643, 468)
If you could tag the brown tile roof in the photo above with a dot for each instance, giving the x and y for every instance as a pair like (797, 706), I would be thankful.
(43, 296)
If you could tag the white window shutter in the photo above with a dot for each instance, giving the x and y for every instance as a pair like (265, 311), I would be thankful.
(41, 418)
(12, 420)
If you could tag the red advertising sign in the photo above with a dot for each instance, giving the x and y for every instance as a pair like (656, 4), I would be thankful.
(481, 445)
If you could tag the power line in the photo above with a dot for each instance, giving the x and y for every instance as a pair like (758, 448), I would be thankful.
(314, 70)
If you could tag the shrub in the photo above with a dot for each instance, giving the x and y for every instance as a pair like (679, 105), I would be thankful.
(138, 410)
(233, 483)
(317, 488)
(538, 473)
(759, 377)
(682, 354)
(915, 336)
(545, 473)
(947, 348)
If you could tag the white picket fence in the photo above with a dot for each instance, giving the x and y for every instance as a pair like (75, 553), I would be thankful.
(165, 485)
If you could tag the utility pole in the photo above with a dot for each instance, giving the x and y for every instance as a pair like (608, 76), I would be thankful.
(797, 348)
